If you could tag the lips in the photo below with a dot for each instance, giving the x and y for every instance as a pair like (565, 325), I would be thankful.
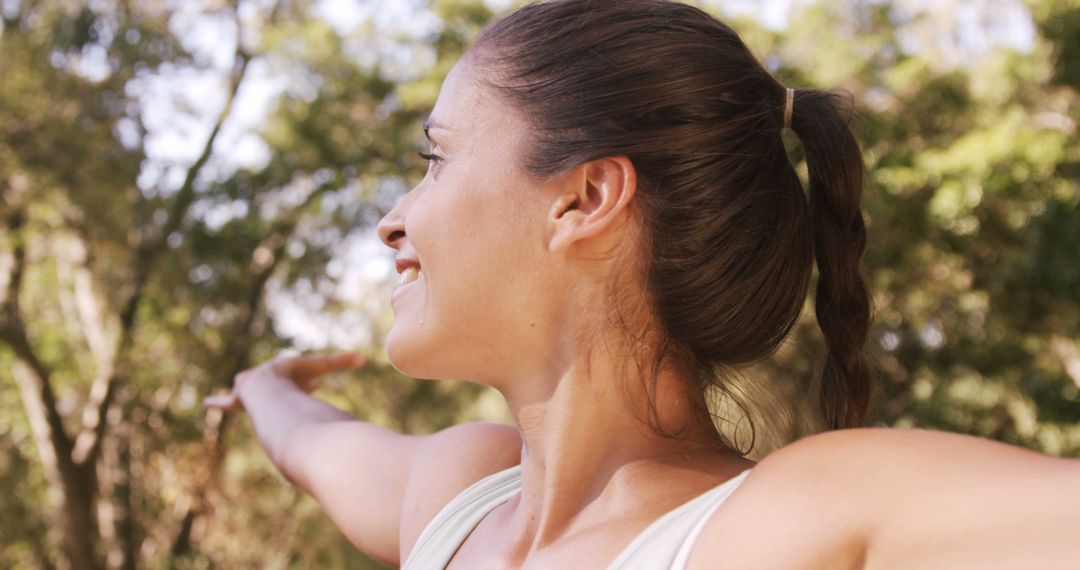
(409, 268)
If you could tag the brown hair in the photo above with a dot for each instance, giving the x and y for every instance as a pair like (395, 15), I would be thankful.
(728, 240)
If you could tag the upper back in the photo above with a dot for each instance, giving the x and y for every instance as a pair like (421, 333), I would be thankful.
(846, 499)
(666, 543)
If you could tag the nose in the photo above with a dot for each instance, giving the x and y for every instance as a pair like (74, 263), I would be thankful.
(391, 227)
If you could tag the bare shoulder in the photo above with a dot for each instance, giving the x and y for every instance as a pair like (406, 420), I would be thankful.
(801, 496)
(884, 498)
(855, 448)
(906, 463)
(448, 462)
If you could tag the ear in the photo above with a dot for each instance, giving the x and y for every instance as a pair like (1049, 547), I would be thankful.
(594, 199)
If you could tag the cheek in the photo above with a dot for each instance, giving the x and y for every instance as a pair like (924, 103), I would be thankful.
(469, 232)
(478, 248)
(471, 257)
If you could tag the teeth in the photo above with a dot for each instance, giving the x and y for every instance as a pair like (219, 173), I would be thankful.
(408, 276)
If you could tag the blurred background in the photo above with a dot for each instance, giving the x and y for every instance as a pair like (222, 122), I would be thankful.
(190, 188)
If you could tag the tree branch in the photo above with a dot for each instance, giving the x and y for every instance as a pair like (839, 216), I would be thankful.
(88, 442)
(72, 484)
(13, 333)
(217, 422)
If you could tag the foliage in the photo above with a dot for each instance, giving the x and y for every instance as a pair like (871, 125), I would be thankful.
(972, 186)
(137, 275)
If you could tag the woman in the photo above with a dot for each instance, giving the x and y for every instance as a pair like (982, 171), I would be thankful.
(609, 221)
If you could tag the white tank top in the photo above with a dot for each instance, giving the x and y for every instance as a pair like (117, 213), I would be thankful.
(664, 545)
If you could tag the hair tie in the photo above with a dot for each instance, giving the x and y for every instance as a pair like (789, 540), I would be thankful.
(789, 107)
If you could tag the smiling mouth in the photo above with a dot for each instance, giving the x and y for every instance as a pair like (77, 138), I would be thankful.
(409, 275)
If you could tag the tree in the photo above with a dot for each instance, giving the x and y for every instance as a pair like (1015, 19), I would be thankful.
(126, 294)
(140, 270)
(972, 151)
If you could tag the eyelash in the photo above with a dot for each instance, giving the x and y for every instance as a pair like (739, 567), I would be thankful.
(429, 157)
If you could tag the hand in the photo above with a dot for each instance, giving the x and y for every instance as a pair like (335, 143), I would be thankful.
(301, 370)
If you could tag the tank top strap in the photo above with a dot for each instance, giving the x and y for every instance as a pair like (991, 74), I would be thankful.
(683, 556)
(667, 543)
(445, 533)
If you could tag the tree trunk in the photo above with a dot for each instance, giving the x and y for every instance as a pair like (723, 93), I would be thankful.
(71, 485)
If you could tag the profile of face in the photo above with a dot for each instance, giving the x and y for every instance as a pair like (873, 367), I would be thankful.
(474, 227)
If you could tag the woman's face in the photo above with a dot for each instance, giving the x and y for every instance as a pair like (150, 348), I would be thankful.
(474, 227)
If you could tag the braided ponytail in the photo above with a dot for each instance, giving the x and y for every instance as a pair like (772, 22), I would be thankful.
(836, 174)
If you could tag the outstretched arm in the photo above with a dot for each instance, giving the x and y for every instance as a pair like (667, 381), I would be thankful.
(956, 501)
(928, 499)
(884, 499)
(374, 483)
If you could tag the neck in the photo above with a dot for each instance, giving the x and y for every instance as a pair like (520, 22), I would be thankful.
(588, 455)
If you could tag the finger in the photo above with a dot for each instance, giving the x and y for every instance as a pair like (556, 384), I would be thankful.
(223, 401)
(306, 367)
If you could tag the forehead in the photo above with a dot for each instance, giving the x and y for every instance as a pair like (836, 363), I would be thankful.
(466, 107)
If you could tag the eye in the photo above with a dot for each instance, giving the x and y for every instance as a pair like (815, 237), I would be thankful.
(431, 158)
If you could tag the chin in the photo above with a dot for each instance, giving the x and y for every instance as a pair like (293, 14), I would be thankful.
(410, 356)
(427, 356)
(402, 356)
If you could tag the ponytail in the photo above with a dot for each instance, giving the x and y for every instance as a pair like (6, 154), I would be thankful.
(836, 174)
(725, 254)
